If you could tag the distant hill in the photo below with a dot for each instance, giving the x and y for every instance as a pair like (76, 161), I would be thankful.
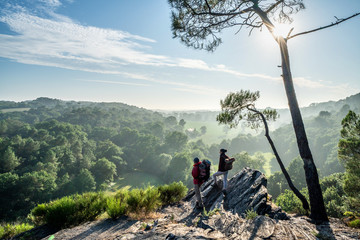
(51, 102)
(351, 102)
(312, 110)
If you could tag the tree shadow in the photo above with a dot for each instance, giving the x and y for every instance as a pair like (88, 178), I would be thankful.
(254, 232)
(107, 225)
(325, 231)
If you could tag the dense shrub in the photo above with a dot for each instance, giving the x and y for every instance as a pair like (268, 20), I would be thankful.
(172, 193)
(69, 211)
(290, 203)
(334, 195)
(117, 206)
(152, 199)
(145, 200)
(10, 230)
(333, 202)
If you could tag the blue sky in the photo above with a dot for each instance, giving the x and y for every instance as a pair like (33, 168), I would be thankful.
(123, 51)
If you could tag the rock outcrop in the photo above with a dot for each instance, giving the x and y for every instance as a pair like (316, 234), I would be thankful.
(245, 191)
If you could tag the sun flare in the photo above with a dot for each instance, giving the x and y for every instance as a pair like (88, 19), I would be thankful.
(281, 30)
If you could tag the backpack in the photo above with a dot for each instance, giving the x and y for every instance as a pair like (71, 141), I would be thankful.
(204, 170)
(229, 164)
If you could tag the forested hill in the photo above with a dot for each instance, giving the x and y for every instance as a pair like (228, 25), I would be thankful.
(51, 148)
(352, 102)
(313, 110)
(60, 107)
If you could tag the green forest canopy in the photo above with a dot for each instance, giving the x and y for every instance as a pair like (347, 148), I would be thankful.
(51, 148)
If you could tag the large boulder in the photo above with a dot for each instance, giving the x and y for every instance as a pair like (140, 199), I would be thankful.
(245, 191)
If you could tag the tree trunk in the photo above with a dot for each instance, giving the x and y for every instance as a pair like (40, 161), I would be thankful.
(318, 211)
(303, 200)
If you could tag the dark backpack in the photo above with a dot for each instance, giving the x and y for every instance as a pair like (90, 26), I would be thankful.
(204, 170)
(229, 164)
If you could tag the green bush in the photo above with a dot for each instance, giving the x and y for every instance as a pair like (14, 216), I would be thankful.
(333, 193)
(145, 200)
(334, 209)
(172, 193)
(352, 219)
(10, 230)
(152, 199)
(135, 200)
(355, 223)
(117, 206)
(290, 203)
(69, 211)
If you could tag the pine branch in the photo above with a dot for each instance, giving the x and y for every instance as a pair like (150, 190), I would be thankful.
(327, 26)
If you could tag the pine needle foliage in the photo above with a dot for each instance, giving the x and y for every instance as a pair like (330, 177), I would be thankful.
(239, 106)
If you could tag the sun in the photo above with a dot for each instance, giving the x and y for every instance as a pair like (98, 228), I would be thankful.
(281, 30)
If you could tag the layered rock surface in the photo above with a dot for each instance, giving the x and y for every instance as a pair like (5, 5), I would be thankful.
(245, 191)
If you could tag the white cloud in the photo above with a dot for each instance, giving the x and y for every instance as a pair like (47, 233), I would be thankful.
(341, 89)
(55, 40)
(192, 63)
(115, 82)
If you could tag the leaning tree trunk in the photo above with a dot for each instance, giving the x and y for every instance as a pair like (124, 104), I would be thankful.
(318, 211)
(303, 200)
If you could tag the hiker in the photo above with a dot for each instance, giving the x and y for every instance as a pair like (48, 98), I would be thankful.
(221, 169)
(197, 183)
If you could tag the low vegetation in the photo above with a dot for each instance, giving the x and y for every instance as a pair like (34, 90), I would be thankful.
(9, 230)
(352, 219)
(250, 214)
(79, 208)
(171, 193)
(69, 211)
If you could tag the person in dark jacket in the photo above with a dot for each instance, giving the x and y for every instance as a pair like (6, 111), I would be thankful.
(221, 169)
(197, 182)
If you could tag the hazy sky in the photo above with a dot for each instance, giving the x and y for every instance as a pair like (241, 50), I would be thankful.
(123, 51)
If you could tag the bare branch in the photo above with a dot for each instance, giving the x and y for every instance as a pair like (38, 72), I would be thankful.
(207, 4)
(289, 33)
(327, 26)
(274, 6)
